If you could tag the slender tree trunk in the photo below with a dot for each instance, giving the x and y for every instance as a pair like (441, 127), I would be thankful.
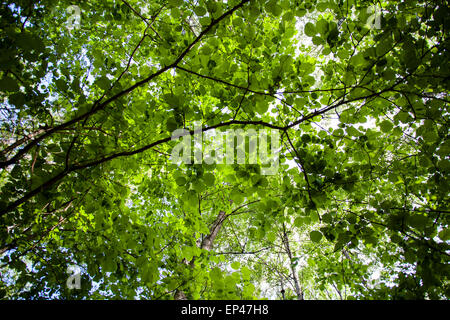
(297, 288)
(207, 243)
(179, 295)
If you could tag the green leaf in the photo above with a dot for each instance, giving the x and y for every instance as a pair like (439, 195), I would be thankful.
(388, 75)
(61, 84)
(317, 41)
(322, 6)
(205, 21)
(310, 29)
(386, 126)
(200, 11)
(209, 179)
(8, 84)
(271, 237)
(181, 181)
(444, 165)
(322, 26)
(237, 196)
(246, 273)
(150, 273)
(289, 16)
(404, 117)
(306, 138)
(358, 60)
(353, 132)
(417, 221)
(199, 186)
(171, 125)
(262, 107)
(175, 3)
(103, 83)
(315, 236)
(188, 254)
(444, 235)
(298, 222)
(273, 7)
(327, 218)
(29, 41)
(18, 99)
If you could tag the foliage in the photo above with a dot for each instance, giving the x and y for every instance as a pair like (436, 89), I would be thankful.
(359, 208)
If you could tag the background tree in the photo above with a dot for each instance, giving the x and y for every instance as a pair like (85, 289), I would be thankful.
(358, 208)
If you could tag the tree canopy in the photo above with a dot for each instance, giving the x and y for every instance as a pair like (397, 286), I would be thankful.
(357, 90)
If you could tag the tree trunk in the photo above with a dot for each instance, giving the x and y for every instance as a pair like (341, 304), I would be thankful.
(179, 295)
(297, 288)
(207, 243)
